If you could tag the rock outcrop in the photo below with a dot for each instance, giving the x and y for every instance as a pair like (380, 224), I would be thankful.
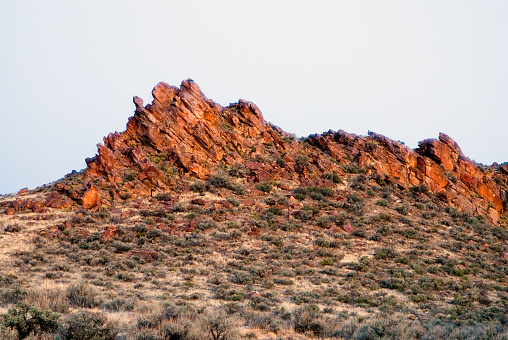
(438, 164)
(181, 134)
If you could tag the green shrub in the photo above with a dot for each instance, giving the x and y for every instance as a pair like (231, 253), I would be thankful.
(179, 328)
(327, 262)
(129, 176)
(422, 188)
(207, 224)
(82, 295)
(306, 320)
(220, 179)
(352, 168)
(238, 170)
(264, 187)
(26, 319)
(88, 325)
(302, 160)
(385, 253)
(333, 176)
(218, 326)
(198, 186)
(403, 209)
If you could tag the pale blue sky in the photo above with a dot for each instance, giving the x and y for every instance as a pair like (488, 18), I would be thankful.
(407, 69)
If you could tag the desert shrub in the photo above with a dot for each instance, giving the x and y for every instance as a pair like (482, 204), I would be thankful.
(179, 329)
(382, 203)
(290, 226)
(207, 224)
(12, 295)
(51, 299)
(359, 183)
(354, 198)
(221, 179)
(260, 303)
(275, 240)
(8, 333)
(306, 297)
(307, 319)
(129, 176)
(26, 319)
(233, 201)
(327, 262)
(146, 334)
(164, 197)
(264, 186)
(239, 189)
(324, 221)
(88, 325)
(198, 186)
(12, 228)
(121, 247)
(302, 160)
(500, 233)
(82, 295)
(352, 168)
(333, 176)
(385, 253)
(422, 188)
(238, 170)
(403, 209)
(218, 326)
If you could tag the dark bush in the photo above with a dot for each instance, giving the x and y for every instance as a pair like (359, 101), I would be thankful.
(88, 325)
(82, 295)
(384, 253)
(238, 170)
(26, 319)
(264, 186)
(198, 186)
(221, 179)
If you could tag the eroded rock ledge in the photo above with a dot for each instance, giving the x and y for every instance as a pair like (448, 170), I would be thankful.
(183, 134)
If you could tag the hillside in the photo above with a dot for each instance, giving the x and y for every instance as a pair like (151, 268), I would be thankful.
(202, 221)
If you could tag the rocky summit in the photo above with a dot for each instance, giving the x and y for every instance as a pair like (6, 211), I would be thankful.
(183, 133)
(207, 222)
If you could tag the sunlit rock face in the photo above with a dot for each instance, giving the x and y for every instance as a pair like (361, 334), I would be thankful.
(182, 135)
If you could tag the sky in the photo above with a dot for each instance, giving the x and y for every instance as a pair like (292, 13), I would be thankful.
(407, 69)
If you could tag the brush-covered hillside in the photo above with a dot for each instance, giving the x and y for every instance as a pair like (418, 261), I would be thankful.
(206, 222)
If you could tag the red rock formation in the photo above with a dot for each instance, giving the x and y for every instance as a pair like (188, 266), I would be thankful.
(437, 163)
(91, 198)
(182, 133)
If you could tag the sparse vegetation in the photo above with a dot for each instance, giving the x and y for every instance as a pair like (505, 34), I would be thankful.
(274, 236)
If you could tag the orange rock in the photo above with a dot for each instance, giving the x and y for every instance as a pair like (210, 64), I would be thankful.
(58, 201)
(23, 192)
(91, 198)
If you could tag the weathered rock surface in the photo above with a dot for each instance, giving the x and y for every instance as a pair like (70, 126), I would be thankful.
(184, 134)
(439, 164)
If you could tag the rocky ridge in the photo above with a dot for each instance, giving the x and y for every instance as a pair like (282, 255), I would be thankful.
(183, 135)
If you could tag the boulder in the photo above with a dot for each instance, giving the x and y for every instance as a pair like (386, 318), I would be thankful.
(58, 201)
(91, 198)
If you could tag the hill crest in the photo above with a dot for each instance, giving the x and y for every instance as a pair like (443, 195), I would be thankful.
(183, 134)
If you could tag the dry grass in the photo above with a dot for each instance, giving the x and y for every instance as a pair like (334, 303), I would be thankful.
(175, 262)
